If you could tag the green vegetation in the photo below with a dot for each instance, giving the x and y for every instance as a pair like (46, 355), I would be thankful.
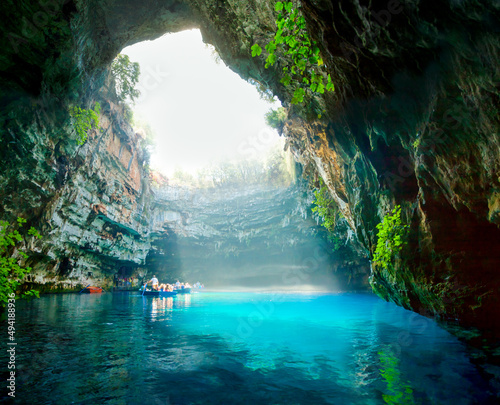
(128, 113)
(84, 120)
(276, 169)
(265, 92)
(126, 74)
(276, 118)
(400, 391)
(332, 218)
(325, 207)
(390, 238)
(298, 55)
(11, 271)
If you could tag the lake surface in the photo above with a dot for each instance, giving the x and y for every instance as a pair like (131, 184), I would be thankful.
(235, 348)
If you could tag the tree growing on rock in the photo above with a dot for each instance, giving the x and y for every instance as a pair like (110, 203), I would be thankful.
(126, 75)
(276, 118)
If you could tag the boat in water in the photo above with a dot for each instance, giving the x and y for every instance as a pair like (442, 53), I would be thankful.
(156, 293)
(91, 290)
(183, 290)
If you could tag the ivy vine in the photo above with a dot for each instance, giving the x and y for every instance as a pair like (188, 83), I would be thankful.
(297, 53)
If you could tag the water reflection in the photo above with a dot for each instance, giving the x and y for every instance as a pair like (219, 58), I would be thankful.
(335, 349)
(400, 391)
(160, 305)
(183, 300)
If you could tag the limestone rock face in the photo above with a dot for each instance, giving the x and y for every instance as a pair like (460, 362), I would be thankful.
(86, 203)
(249, 237)
(413, 122)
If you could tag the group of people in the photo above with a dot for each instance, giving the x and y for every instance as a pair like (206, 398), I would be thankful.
(155, 285)
(121, 281)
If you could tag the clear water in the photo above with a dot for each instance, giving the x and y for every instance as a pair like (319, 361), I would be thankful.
(236, 348)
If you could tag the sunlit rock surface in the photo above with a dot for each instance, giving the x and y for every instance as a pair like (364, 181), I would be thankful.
(413, 122)
(254, 237)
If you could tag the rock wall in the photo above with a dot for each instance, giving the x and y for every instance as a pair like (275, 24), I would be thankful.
(86, 201)
(255, 236)
(417, 127)
(413, 122)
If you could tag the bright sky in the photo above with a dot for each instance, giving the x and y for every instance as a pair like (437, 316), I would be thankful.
(201, 111)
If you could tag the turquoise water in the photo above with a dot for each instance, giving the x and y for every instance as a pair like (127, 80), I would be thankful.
(236, 348)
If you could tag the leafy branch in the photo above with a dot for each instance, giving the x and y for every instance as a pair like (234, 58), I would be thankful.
(276, 118)
(390, 238)
(325, 207)
(84, 120)
(11, 271)
(126, 74)
(296, 52)
(328, 211)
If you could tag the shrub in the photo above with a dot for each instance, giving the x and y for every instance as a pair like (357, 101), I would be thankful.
(333, 220)
(276, 118)
(391, 237)
(84, 120)
(11, 272)
(325, 207)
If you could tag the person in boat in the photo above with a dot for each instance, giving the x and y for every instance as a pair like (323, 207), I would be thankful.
(154, 283)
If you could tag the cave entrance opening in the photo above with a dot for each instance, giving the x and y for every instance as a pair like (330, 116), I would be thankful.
(220, 177)
(209, 125)
(125, 279)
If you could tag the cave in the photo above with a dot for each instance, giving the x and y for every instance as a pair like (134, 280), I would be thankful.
(403, 142)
